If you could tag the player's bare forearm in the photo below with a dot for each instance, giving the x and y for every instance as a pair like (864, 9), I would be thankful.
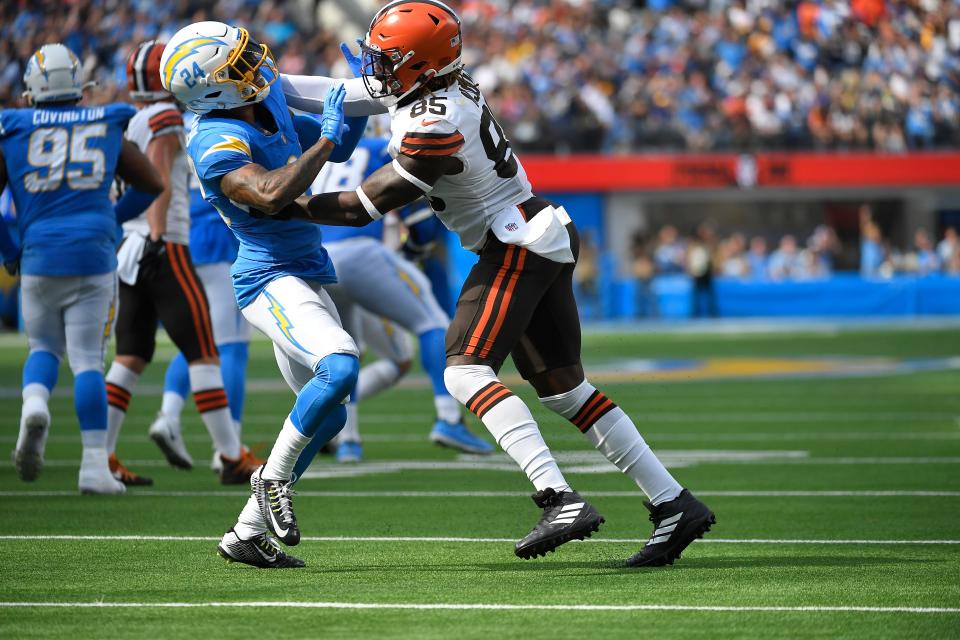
(272, 191)
(137, 170)
(384, 191)
(161, 152)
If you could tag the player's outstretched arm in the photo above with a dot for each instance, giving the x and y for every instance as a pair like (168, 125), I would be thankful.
(390, 187)
(306, 94)
(270, 191)
(144, 185)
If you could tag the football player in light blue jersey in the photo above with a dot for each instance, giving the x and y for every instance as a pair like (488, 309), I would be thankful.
(213, 249)
(253, 159)
(60, 159)
(374, 278)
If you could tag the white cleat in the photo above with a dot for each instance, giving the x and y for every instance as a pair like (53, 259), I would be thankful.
(165, 433)
(95, 476)
(34, 427)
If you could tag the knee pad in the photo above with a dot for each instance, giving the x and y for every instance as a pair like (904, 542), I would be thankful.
(339, 371)
(463, 381)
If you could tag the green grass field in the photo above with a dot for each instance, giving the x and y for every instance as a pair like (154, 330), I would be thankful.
(837, 498)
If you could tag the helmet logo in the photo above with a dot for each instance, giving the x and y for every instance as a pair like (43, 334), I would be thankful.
(181, 51)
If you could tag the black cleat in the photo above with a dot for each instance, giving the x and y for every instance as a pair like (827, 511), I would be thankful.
(275, 498)
(259, 551)
(675, 525)
(124, 475)
(566, 517)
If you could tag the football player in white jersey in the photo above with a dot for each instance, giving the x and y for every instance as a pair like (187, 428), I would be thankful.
(158, 282)
(518, 299)
(375, 278)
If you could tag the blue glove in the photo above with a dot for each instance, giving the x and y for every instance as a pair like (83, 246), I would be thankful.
(332, 126)
(356, 65)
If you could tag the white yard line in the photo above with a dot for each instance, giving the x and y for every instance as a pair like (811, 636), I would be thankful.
(481, 607)
(149, 493)
(704, 436)
(459, 539)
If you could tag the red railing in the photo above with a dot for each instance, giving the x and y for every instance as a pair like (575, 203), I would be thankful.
(717, 171)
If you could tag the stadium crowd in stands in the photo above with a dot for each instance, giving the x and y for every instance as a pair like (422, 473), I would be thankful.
(610, 75)
(793, 258)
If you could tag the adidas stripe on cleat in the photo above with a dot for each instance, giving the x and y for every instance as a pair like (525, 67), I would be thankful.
(566, 516)
(259, 551)
(676, 524)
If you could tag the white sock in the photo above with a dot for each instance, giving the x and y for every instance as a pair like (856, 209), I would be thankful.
(613, 433)
(94, 438)
(250, 521)
(172, 405)
(508, 420)
(286, 450)
(376, 377)
(351, 429)
(121, 383)
(207, 386)
(448, 409)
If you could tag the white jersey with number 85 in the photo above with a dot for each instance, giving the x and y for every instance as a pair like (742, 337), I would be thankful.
(456, 122)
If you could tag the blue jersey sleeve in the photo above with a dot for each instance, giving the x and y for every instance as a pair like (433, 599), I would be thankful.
(216, 151)
(308, 130)
(120, 114)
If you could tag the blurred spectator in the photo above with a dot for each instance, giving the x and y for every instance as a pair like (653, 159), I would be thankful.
(668, 256)
(758, 259)
(824, 247)
(732, 257)
(699, 264)
(785, 261)
(643, 271)
(949, 246)
(924, 259)
(873, 254)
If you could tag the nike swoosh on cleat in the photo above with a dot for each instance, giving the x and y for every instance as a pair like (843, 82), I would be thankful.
(263, 555)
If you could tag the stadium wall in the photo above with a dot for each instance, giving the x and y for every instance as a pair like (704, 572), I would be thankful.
(611, 196)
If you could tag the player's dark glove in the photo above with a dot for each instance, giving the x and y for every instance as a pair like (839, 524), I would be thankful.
(153, 250)
(12, 266)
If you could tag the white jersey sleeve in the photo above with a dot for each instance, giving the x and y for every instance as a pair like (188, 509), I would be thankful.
(153, 121)
(457, 123)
